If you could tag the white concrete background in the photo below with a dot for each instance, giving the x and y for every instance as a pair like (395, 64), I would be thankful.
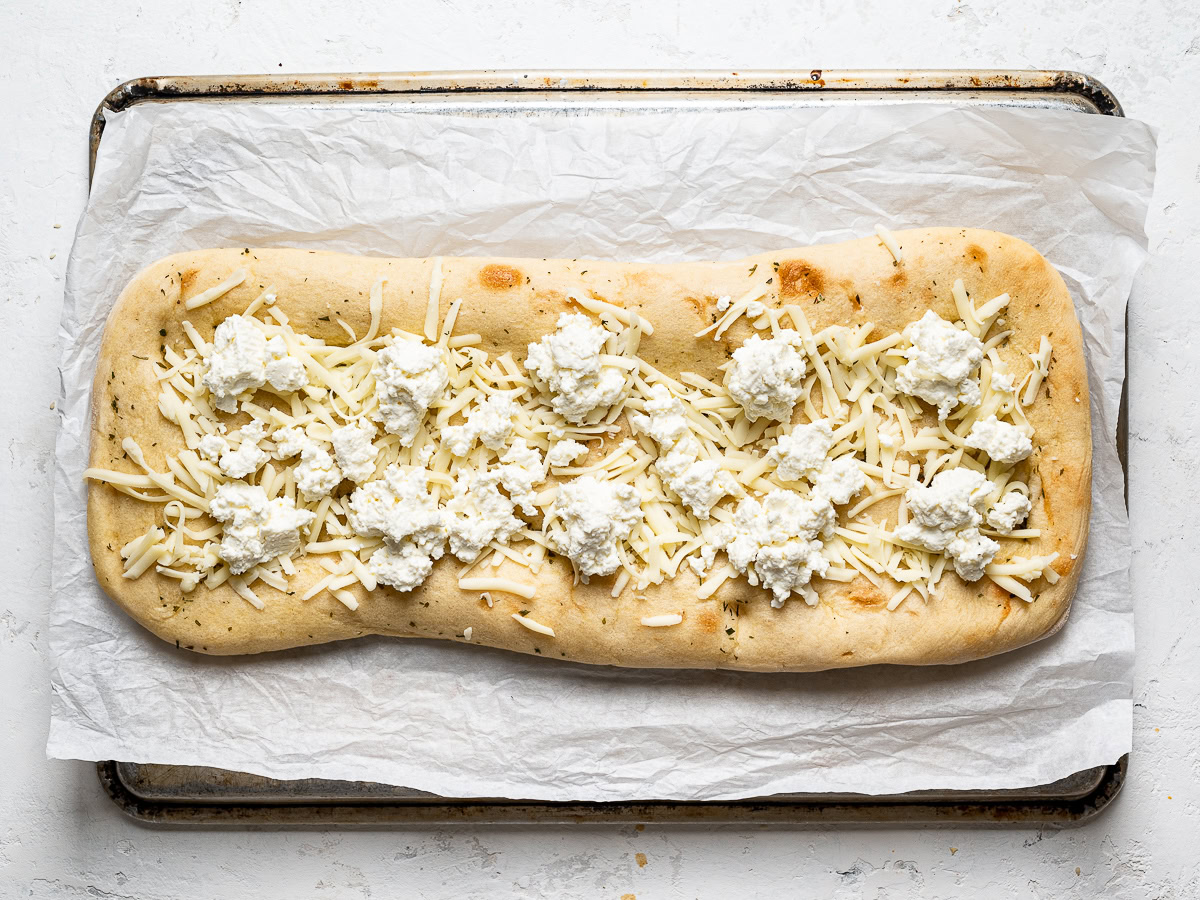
(60, 836)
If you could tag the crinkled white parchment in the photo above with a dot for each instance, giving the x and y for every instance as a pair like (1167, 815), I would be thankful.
(719, 182)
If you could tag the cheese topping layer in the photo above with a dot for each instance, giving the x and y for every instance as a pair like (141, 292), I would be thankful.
(496, 459)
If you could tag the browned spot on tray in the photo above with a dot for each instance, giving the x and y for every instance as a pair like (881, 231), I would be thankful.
(499, 276)
(641, 859)
(978, 255)
(796, 277)
(709, 621)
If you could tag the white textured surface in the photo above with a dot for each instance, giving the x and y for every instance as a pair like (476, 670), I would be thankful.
(60, 837)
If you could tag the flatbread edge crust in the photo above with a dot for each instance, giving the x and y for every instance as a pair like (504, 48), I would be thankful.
(512, 302)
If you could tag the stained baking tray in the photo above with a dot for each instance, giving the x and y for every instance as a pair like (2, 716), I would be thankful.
(196, 795)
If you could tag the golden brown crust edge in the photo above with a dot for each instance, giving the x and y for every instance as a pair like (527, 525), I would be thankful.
(736, 628)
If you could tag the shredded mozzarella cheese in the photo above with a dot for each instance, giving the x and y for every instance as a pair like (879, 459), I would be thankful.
(534, 626)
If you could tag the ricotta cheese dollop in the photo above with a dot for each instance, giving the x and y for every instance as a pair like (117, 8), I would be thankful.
(247, 457)
(284, 373)
(522, 468)
(355, 452)
(211, 446)
(399, 508)
(490, 422)
(409, 377)
(767, 376)
(780, 537)
(255, 529)
(1003, 442)
(593, 516)
(1010, 511)
(777, 538)
(954, 500)
(946, 516)
(242, 359)
(402, 566)
(699, 484)
(563, 453)
(568, 364)
(478, 514)
(970, 552)
(317, 474)
(801, 451)
(1002, 383)
(839, 479)
(941, 361)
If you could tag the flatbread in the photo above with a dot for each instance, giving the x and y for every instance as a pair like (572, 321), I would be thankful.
(512, 302)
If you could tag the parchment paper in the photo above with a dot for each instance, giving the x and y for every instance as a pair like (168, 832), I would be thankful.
(716, 183)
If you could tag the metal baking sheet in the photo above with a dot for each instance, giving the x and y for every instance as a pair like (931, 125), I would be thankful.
(561, 90)
(194, 795)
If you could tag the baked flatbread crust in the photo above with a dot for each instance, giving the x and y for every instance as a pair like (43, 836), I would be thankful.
(512, 302)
